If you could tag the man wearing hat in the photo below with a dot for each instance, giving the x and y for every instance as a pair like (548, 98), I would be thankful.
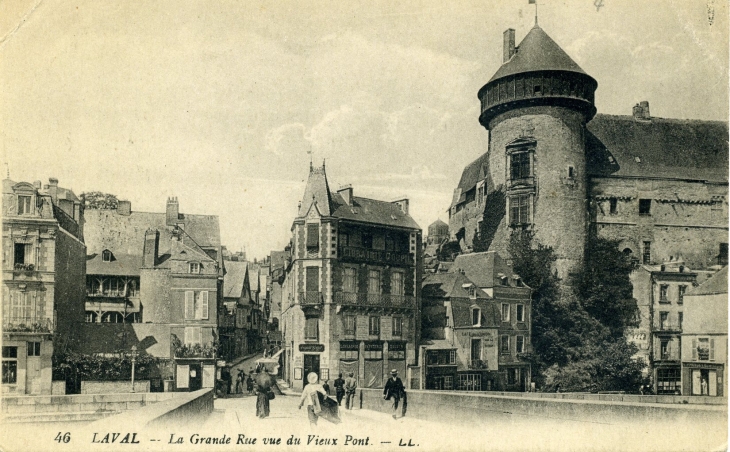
(394, 390)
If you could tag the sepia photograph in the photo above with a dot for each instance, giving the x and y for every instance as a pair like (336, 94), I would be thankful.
(331, 225)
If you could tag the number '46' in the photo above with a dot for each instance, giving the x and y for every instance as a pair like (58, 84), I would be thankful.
(65, 438)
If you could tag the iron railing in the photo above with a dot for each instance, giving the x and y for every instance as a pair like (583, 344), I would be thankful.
(373, 299)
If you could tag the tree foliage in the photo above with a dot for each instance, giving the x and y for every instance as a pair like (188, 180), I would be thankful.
(112, 367)
(577, 341)
(99, 200)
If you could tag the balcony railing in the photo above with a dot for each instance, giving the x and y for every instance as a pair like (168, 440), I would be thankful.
(24, 267)
(668, 327)
(477, 364)
(375, 256)
(310, 298)
(28, 325)
(372, 299)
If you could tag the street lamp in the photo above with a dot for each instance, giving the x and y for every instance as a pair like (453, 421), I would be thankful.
(134, 358)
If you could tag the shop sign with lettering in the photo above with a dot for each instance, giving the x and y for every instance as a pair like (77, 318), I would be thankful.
(312, 348)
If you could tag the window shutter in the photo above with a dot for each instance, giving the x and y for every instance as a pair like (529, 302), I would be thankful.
(189, 304)
(199, 335)
(712, 349)
(694, 349)
(312, 236)
(204, 303)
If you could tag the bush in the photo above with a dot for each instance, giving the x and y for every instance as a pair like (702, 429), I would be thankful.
(112, 367)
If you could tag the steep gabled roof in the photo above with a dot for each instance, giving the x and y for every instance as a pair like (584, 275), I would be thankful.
(233, 281)
(473, 173)
(659, 147)
(461, 312)
(537, 52)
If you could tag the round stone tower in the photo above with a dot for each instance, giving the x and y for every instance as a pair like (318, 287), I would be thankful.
(535, 108)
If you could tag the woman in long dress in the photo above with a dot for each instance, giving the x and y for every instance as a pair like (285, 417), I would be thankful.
(263, 387)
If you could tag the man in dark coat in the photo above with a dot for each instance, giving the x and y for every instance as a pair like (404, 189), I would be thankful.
(394, 390)
(339, 389)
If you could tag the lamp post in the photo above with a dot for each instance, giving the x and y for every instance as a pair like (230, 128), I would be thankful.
(134, 358)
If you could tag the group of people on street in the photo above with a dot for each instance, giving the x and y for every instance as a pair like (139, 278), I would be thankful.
(243, 381)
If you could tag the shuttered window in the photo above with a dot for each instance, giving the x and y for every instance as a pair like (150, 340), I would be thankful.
(312, 236)
(189, 305)
(204, 304)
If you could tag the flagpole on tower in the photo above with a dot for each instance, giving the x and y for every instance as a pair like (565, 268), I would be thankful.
(534, 2)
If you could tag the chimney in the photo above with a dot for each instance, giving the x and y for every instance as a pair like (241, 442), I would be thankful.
(173, 211)
(346, 192)
(402, 204)
(151, 248)
(53, 188)
(641, 110)
(124, 208)
(509, 44)
(37, 185)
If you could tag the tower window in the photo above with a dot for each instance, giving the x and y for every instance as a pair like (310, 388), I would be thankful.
(571, 172)
(722, 257)
(645, 207)
(520, 165)
(538, 90)
(613, 204)
(646, 257)
(519, 210)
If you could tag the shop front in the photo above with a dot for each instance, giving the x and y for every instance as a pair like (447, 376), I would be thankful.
(373, 357)
(703, 379)
(192, 374)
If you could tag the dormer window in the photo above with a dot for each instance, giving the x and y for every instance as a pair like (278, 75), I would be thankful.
(194, 267)
(24, 206)
(106, 256)
(476, 317)
(518, 281)
(503, 281)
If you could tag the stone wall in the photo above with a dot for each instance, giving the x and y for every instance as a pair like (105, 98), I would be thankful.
(114, 387)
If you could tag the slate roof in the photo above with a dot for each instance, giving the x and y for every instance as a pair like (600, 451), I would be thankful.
(121, 265)
(482, 268)
(448, 285)
(666, 148)
(106, 229)
(537, 52)
(372, 211)
(253, 279)
(717, 284)
(317, 190)
(234, 279)
(461, 313)
(174, 249)
(473, 173)
(438, 344)
(278, 258)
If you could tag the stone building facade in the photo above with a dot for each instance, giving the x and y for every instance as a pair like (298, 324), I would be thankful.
(554, 166)
(43, 281)
(156, 283)
(351, 290)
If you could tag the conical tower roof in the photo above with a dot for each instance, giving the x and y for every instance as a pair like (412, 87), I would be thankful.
(317, 191)
(537, 52)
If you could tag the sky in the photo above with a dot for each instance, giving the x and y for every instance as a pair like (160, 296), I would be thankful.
(220, 103)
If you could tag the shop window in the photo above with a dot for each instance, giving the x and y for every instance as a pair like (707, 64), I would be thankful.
(470, 382)
(645, 207)
(10, 365)
(373, 354)
(520, 312)
(668, 381)
(374, 326)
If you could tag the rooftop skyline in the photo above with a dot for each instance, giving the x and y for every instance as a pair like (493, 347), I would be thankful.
(220, 104)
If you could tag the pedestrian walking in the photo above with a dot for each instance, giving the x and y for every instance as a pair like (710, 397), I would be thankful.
(350, 387)
(394, 390)
(263, 394)
(226, 377)
(249, 383)
(326, 387)
(310, 398)
(339, 389)
(239, 381)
